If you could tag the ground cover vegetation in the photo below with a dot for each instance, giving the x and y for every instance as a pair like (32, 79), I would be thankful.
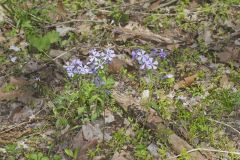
(119, 80)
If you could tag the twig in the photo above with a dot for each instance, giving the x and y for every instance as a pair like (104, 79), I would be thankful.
(73, 20)
(205, 149)
(142, 13)
(46, 64)
(54, 59)
(167, 3)
(21, 124)
(224, 125)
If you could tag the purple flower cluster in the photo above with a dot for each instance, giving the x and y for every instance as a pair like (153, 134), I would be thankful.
(145, 61)
(161, 53)
(97, 60)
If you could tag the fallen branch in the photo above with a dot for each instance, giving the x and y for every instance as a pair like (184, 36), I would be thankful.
(152, 121)
(224, 125)
(72, 21)
(205, 149)
(130, 34)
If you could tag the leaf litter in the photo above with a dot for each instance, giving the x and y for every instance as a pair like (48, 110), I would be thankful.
(168, 102)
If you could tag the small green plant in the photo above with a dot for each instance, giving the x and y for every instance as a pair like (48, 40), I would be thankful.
(37, 156)
(29, 19)
(12, 150)
(42, 43)
(162, 107)
(85, 103)
(141, 152)
(119, 140)
(8, 87)
(195, 90)
(93, 153)
(184, 155)
(223, 101)
(119, 16)
(200, 127)
(72, 154)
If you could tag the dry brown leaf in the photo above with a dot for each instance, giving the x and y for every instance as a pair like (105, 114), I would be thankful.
(2, 39)
(60, 9)
(19, 81)
(79, 142)
(133, 30)
(225, 83)
(155, 5)
(186, 82)
(123, 155)
(180, 145)
(9, 137)
(230, 53)
(116, 66)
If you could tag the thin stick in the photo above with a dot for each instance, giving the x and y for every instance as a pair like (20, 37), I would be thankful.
(224, 125)
(31, 118)
(73, 20)
(63, 54)
(205, 149)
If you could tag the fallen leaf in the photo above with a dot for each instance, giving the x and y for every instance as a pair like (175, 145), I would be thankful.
(155, 5)
(93, 131)
(20, 114)
(61, 10)
(225, 83)
(116, 65)
(63, 30)
(19, 81)
(135, 31)
(145, 97)
(207, 35)
(55, 53)
(180, 145)
(229, 54)
(123, 155)
(186, 82)
(109, 117)
(78, 142)
(153, 149)
(2, 14)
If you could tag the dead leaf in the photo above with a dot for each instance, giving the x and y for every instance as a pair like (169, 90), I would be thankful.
(78, 142)
(61, 10)
(91, 132)
(229, 54)
(207, 35)
(55, 53)
(84, 29)
(153, 117)
(134, 30)
(225, 83)
(180, 145)
(116, 65)
(155, 5)
(20, 114)
(9, 137)
(2, 14)
(2, 39)
(186, 82)
(19, 81)
(153, 149)
(123, 155)
(63, 30)
(109, 117)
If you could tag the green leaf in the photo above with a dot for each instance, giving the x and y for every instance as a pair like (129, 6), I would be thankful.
(69, 152)
(75, 154)
(53, 36)
(42, 43)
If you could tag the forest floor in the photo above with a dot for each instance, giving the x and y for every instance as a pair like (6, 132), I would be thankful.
(120, 80)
